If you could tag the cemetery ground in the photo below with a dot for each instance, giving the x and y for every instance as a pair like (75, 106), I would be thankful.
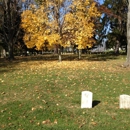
(40, 93)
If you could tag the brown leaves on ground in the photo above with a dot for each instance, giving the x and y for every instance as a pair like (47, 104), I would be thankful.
(50, 62)
(74, 65)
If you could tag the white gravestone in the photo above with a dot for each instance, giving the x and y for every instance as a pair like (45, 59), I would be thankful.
(86, 99)
(125, 101)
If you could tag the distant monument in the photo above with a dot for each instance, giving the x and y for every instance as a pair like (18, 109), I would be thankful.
(125, 101)
(2, 52)
(86, 99)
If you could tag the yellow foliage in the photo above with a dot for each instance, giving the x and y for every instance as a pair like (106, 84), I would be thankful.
(77, 25)
(33, 24)
(84, 18)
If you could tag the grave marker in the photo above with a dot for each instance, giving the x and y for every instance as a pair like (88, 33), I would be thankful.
(125, 101)
(86, 99)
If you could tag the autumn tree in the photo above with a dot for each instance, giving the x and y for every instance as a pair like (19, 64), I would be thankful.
(9, 24)
(85, 14)
(63, 22)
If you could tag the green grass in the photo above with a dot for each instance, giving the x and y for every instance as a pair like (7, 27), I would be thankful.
(39, 93)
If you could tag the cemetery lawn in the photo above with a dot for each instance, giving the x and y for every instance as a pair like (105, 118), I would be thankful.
(44, 94)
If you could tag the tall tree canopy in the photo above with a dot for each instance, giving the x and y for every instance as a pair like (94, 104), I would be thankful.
(9, 24)
(114, 22)
(61, 23)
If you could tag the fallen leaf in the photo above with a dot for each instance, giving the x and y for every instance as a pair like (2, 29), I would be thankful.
(93, 123)
(55, 121)
(46, 122)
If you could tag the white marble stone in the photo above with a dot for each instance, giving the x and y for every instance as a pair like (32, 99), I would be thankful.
(86, 99)
(125, 101)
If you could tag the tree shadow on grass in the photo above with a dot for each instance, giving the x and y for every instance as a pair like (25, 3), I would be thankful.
(65, 57)
(102, 57)
(95, 103)
(91, 57)
(4, 63)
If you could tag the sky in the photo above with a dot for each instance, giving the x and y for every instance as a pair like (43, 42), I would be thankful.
(100, 1)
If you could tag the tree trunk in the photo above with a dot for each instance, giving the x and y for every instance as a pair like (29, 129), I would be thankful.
(128, 37)
(10, 49)
(59, 53)
(79, 53)
(117, 47)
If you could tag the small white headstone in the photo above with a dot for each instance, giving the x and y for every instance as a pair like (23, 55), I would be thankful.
(86, 99)
(125, 101)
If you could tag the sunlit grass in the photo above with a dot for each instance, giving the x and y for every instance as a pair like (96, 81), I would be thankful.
(46, 94)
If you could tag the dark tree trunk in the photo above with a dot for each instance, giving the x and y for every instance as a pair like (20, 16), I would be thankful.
(59, 53)
(11, 52)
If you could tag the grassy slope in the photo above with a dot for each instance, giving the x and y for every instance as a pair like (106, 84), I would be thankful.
(46, 95)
